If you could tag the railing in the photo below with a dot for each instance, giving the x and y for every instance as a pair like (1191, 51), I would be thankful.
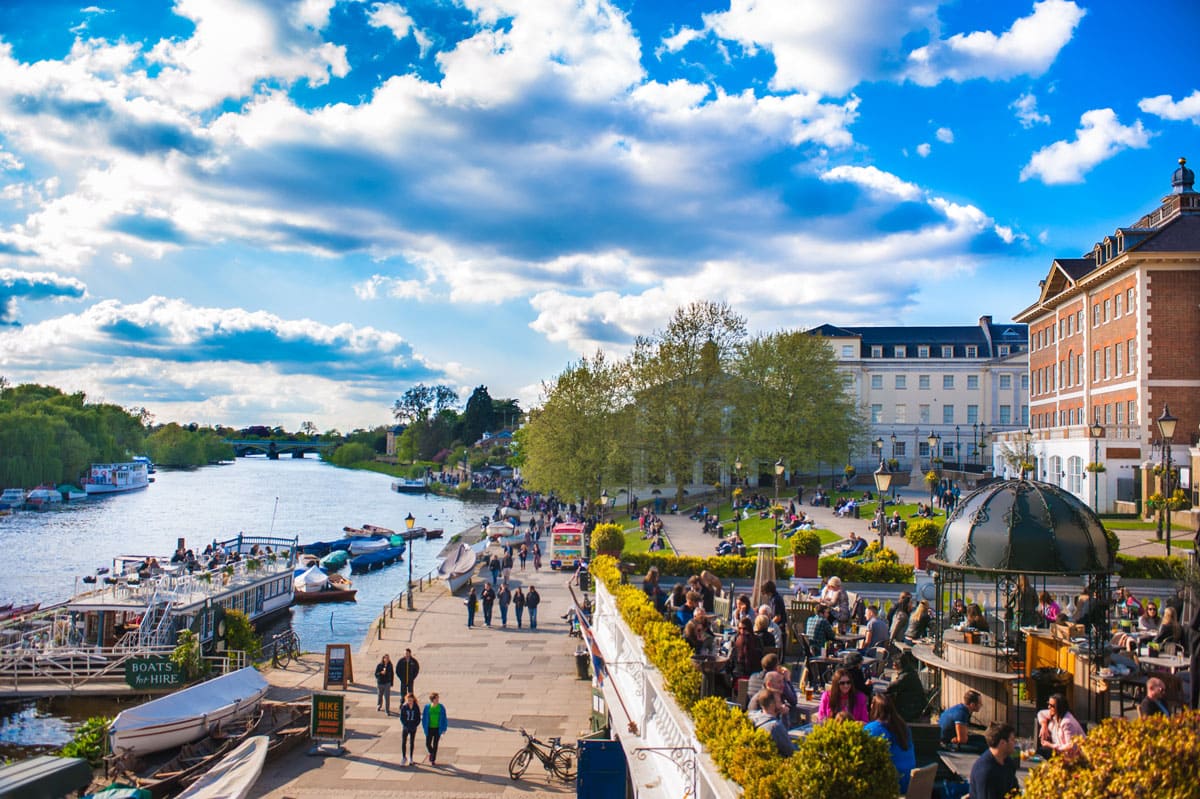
(389, 610)
(72, 669)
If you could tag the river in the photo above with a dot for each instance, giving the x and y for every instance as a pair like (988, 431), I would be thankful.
(50, 551)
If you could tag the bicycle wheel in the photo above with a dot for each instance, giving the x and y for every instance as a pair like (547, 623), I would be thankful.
(283, 655)
(565, 763)
(518, 764)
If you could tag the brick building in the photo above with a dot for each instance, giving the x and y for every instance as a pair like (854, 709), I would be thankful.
(1113, 338)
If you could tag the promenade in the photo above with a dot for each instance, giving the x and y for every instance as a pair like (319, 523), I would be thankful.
(491, 681)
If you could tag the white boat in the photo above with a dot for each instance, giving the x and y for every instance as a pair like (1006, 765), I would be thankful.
(458, 566)
(234, 775)
(43, 497)
(361, 546)
(187, 715)
(71, 493)
(14, 497)
(407, 486)
(113, 478)
(505, 532)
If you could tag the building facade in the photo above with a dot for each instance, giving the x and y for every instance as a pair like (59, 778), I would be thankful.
(962, 384)
(1113, 339)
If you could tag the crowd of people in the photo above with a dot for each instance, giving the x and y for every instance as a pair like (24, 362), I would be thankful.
(432, 719)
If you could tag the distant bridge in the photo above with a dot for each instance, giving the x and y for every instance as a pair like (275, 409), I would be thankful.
(273, 448)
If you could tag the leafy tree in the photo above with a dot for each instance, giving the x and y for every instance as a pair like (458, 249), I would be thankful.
(479, 416)
(506, 413)
(173, 445)
(351, 453)
(239, 634)
(309, 429)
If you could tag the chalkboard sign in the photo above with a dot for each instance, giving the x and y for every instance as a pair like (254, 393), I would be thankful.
(328, 717)
(339, 668)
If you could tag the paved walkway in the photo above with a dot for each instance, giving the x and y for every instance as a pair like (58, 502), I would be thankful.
(491, 681)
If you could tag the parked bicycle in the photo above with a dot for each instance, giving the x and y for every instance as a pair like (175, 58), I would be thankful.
(560, 761)
(285, 647)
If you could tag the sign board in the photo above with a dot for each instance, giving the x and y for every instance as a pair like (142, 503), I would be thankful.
(328, 717)
(339, 668)
(153, 672)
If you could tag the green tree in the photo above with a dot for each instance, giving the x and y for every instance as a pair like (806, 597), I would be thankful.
(351, 453)
(173, 445)
(479, 417)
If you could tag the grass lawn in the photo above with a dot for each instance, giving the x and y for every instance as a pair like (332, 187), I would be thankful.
(1177, 543)
(1128, 524)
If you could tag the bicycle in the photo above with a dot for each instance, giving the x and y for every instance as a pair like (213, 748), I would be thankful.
(285, 647)
(560, 761)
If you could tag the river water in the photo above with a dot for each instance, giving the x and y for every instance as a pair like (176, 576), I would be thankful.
(49, 552)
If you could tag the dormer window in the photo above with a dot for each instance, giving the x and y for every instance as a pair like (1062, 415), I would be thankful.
(923, 351)
(900, 351)
(876, 351)
(972, 351)
(1003, 350)
(947, 351)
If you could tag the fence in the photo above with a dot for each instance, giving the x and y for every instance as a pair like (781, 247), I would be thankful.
(389, 610)
(34, 672)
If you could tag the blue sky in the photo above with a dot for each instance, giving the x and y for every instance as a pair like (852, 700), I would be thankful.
(273, 212)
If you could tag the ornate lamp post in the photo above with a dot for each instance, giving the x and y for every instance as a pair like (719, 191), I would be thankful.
(737, 511)
(1166, 429)
(883, 484)
(957, 451)
(879, 446)
(409, 521)
(778, 479)
(1097, 431)
(934, 441)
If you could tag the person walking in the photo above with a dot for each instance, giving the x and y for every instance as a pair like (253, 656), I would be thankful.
(532, 600)
(407, 669)
(385, 678)
(488, 598)
(524, 555)
(494, 568)
(518, 600)
(506, 564)
(472, 603)
(410, 720)
(537, 557)
(434, 722)
(504, 597)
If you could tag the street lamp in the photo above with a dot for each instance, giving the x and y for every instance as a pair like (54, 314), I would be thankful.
(778, 479)
(975, 441)
(957, 451)
(883, 484)
(894, 451)
(603, 502)
(1097, 431)
(409, 521)
(879, 446)
(1166, 428)
(934, 441)
(737, 512)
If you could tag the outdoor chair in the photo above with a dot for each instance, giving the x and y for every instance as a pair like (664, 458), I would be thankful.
(920, 782)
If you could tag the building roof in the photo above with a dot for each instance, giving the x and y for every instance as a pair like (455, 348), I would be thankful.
(1181, 234)
(986, 336)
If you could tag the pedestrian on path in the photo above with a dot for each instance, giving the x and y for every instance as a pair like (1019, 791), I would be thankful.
(472, 603)
(524, 555)
(434, 722)
(537, 557)
(488, 598)
(506, 564)
(494, 568)
(385, 678)
(410, 721)
(532, 600)
(518, 600)
(504, 597)
(407, 669)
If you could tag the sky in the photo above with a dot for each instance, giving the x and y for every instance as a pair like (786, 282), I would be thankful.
(271, 211)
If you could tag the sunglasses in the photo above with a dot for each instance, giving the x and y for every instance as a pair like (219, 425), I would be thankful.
(845, 682)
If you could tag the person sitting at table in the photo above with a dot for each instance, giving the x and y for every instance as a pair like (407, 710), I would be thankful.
(918, 623)
(975, 618)
(835, 597)
(684, 614)
(857, 547)
(1170, 631)
(1149, 622)
(907, 691)
(961, 713)
(1155, 702)
(818, 630)
(901, 613)
(698, 634)
(994, 775)
(747, 651)
(778, 684)
(876, 630)
(742, 610)
(843, 697)
(677, 599)
(762, 631)
(1127, 605)
(768, 718)
(1048, 607)
(886, 723)
(769, 663)
(1058, 730)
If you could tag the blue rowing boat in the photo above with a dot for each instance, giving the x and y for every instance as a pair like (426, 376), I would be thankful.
(376, 560)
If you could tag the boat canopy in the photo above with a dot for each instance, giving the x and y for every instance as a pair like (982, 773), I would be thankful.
(228, 689)
(312, 579)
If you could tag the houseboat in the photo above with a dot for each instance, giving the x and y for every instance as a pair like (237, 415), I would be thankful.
(113, 478)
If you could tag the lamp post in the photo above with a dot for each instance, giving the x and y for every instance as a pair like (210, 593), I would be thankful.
(778, 478)
(975, 441)
(883, 484)
(409, 521)
(737, 512)
(934, 441)
(1097, 431)
(879, 446)
(896, 459)
(1166, 429)
(957, 451)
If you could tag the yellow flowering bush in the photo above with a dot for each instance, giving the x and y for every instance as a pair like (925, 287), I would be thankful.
(838, 759)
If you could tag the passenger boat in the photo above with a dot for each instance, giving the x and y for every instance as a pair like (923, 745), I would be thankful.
(187, 715)
(150, 468)
(434, 533)
(234, 776)
(113, 478)
(459, 565)
(376, 560)
(13, 497)
(43, 497)
(71, 493)
(407, 486)
(314, 585)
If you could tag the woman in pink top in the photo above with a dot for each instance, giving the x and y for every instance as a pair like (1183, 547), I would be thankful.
(1058, 730)
(842, 697)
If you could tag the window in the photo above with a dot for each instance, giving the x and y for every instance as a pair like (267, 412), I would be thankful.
(1006, 382)
(901, 414)
(1061, 328)
(1079, 320)
(972, 351)
(1107, 362)
(1079, 368)
(876, 351)
(1074, 474)
(923, 414)
(1108, 413)
(901, 381)
(947, 451)
(900, 352)
(1004, 350)
(1005, 414)
(948, 414)
(876, 414)
(1096, 315)
(847, 350)
(1096, 365)
(1037, 381)
(923, 351)
(1131, 355)
(877, 381)
(1107, 308)
(1129, 300)
(1024, 381)
(1119, 413)
(1117, 300)
(973, 382)
(1118, 358)
(947, 381)
(899, 448)
(922, 449)
(947, 351)
(1131, 408)
(1025, 415)
(923, 382)
(972, 414)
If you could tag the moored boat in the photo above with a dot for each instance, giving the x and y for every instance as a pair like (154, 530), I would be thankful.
(71, 493)
(458, 566)
(234, 776)
(285, 724)
(13, 497)
(361, 546)
(113, 478)
(376, 560)
(314, 585)
(437, 532)
(43, 497)
(407, 486)
(335, 560)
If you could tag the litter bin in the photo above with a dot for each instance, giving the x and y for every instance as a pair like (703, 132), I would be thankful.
(1047, 682)
(581, 663)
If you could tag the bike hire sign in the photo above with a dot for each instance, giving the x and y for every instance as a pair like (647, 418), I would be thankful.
(328, 717)
(152, 672)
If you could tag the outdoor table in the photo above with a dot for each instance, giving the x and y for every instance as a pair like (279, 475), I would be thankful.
(962, 762)
(1172, 664)
(850, 639)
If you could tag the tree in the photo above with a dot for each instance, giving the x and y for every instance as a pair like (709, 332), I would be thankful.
(507, 413)
(680, 380)
(789, 400)
(309, 429)
(414, 405)
(479, 417)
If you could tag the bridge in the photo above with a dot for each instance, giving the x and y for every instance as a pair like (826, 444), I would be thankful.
(273, 448)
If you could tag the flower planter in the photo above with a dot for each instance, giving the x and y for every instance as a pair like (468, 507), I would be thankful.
(804, 565)
(923, 553)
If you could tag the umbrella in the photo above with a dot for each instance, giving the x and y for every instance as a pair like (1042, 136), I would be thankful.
(764, 571)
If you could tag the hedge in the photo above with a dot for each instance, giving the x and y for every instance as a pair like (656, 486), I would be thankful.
(1152, 567)
(878, 571)
(720, 565)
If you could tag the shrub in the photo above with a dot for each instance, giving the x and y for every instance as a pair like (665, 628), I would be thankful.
(189, 657)
(608, 538)
(923, 533)
(720, 565)
(89, 741)
(1114, 543)
(1152, 567)
(838, 759)
(1158, 756)
(239, 634)
(882, 570)
(806, 543)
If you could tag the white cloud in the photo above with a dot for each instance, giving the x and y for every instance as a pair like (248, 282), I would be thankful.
(1025, 107)
(945, 135)
(1164, 106)
(1099, 137)
(392, 287)
(9, 162)
(391, 16)
(923, 149)
(875, 179)
(1028, 47)
(677, 41)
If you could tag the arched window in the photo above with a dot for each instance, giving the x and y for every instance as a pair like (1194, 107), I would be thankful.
(1055, 476)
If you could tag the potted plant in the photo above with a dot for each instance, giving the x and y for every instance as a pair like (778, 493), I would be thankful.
(923, 534)
(253, 564)
(608, 539)
(227, 573)
(806, 552)
(1096, 468)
